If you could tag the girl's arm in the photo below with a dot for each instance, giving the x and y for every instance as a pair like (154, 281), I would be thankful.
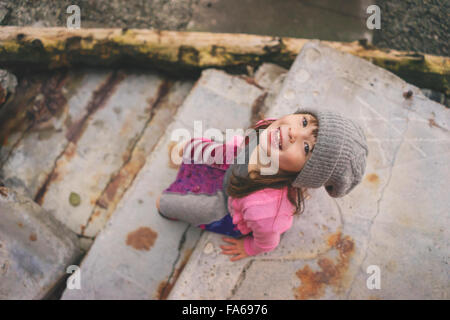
(250, 245)
(265, 236)
(261, 240)
(267, 224)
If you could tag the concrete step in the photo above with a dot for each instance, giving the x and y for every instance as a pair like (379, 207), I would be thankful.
(69, 95)
(35, 249)
(89, 153)
(387, 224)
(139, 255)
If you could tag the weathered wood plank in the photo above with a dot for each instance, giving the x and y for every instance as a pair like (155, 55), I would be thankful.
(190, 52)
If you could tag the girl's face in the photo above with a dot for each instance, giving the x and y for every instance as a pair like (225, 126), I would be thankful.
(292, 136)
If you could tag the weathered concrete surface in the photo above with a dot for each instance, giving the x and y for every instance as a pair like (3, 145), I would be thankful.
(396, 219)
(91, 150)
(87, 163)
(270, 77)
(35, 249)
(20, 166)
(138, 255)
(162, 113)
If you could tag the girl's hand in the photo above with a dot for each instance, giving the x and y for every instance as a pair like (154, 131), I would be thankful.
(236, 249)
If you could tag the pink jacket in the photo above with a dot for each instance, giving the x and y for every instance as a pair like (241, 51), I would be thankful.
(258, 213)
(267, 213)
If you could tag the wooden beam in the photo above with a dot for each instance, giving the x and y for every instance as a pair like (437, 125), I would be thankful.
(182, 53)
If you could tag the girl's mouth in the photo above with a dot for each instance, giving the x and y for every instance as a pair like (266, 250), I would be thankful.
(276, 139)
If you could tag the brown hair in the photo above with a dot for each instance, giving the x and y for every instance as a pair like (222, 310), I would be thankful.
(240, 187)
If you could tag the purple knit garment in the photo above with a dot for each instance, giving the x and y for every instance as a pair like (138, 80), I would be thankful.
(201, 178)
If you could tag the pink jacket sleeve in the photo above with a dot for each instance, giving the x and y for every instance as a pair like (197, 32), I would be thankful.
(265, 234)
(261, 242)
(203, 150)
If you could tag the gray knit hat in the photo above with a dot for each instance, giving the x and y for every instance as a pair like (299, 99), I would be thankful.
(338, 161)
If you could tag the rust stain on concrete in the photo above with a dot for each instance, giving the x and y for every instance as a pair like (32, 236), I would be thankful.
(313, 283)
(113, 186)
(166, 286)
(38, 98)
(70, 151)
(433, 123)
(251, 81)
(115, 190)
(373, 177)
(102, 203)
(142, 238)
(133, 160)
(37, 102)
(51, 103)
(33, 237)
(3, 192)
(39, 198)
(99, 98)
(120, 182)
(73, 134)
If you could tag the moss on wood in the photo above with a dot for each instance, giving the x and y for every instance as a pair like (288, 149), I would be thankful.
(187, 53)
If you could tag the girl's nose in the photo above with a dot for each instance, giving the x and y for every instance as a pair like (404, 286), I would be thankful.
(296, 133)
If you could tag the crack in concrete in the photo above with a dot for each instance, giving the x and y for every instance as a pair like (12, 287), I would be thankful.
(14, 147)
(339, 210)
(40, 194)
(98, 99)
(163, 91)
(241, 279)
(174, 265)
(372, 221)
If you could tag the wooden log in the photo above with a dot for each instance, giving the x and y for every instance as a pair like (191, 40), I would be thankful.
(182, 53)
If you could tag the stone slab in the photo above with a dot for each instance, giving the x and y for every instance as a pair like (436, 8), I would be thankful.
(395, 219)
(35, 249)
(139, 255)
(22, 169)
(86, 166)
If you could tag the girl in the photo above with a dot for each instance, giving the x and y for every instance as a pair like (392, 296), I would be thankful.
(311, 148)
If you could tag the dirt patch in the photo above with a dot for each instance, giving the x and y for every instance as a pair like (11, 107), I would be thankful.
(142, 239)
(313, 283)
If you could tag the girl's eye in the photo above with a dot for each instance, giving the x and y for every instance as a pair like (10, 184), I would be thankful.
(306, 148)
(305, 122)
